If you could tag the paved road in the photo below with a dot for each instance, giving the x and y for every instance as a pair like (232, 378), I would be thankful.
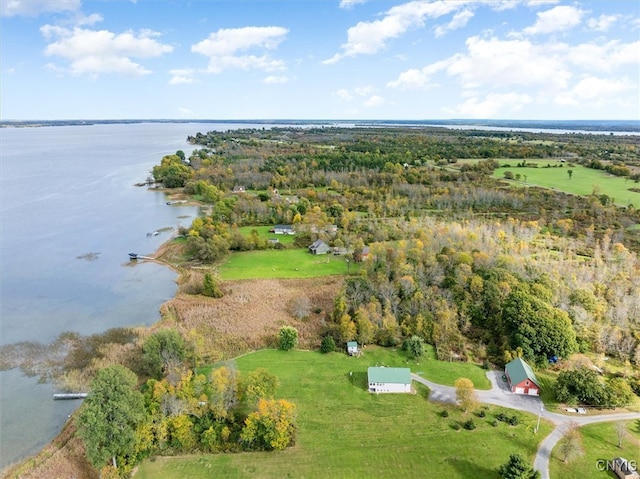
(500, 395)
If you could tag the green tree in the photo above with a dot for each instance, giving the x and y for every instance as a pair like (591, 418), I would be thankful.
(211, 286)
(161, 351)
(287, 338)
(414, 346)
(328, 345)
(172, 172)
(517, 468)
(570, 173)
(540, 329)
(109, 417)
(581, 385)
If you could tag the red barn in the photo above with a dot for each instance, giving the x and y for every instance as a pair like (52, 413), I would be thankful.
(521, 378)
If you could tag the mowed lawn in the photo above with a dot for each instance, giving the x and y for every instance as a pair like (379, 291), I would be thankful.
(599, 443)
(582, 182)
(346, 432)
(286, 263)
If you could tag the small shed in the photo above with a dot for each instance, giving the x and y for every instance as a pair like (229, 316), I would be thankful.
(625, 469)
(284, 230)
(521, 378)
(389, 380)
(352, 348)
(319, 247)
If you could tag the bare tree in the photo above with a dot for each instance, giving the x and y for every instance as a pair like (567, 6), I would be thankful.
(621, 432)
(571, 446)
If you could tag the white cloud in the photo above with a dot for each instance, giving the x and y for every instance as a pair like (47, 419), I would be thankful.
(419, 78)
(373, 101)
(604, 56)
(350, 3)
(343, 94)
(496, 62)
(96, 52)
(33, 8)
(184, 76)
(558, 19)
(493, 105)
(275, 80)
(222, 48)
(459, 20)
(367, 38)
(365, 94)
(602, 23)
(594, 91)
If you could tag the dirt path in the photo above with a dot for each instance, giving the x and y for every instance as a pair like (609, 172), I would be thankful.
(500, 395)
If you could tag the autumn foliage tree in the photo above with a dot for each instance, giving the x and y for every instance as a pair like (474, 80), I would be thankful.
(465, 394)
(271, 426)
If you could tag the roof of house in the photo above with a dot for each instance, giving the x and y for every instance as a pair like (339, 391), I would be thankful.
(283, 227)
(352, 344)
(518, 371)
(389, 375)
(318, 244)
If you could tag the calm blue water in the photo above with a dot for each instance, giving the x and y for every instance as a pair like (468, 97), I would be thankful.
(66, 192)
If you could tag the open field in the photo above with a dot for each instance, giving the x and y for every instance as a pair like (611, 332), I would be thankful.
(263, 231)
(445, 372)
(582, 182)
(600, 443)
(344, 431)
(293, 263)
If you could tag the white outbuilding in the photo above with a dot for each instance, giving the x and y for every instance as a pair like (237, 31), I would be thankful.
(389, 380)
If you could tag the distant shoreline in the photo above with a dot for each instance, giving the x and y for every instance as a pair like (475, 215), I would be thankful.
(618, 127)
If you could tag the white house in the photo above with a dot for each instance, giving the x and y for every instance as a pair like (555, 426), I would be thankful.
(352, 348)
(389, 380)
(283, 230)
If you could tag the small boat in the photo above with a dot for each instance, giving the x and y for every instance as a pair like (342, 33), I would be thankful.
(133, 255)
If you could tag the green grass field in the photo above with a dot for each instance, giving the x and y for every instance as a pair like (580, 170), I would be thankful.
(288, 263)
(582, 182)
(600, 443)
(346, 432)
(263, 231)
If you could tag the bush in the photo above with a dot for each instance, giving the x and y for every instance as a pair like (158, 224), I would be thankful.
(482, 413)
(469, 425)
(444, 413)
(513, 420)
(494, 423)
(328, 345)
(287, 338)
(456, 426)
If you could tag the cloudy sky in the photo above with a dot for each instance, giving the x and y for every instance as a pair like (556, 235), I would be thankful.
(319, 59)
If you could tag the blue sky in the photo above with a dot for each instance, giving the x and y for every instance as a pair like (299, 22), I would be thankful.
(319, 59)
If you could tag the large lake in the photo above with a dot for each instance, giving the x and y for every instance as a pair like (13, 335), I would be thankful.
(69, 216)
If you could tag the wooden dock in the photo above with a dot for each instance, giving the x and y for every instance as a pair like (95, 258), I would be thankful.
(70, 396)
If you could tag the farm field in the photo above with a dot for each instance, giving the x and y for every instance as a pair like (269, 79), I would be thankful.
(582, 182)
(290, 263)
(600, 443)
(344, 431)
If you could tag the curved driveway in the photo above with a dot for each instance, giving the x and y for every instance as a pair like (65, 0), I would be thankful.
(500, 395)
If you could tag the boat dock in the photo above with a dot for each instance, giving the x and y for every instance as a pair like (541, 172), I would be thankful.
(70, 396)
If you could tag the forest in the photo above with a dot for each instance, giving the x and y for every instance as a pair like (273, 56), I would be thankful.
(480, 269)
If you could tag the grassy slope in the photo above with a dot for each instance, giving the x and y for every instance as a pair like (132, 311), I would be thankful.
(581, 183)
(346, 432)
(600, 442)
